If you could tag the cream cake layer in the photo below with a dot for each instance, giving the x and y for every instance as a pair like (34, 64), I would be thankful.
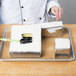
(29, 49)
(62, 48)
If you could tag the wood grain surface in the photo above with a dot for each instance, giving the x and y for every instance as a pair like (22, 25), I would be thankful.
(40, 68)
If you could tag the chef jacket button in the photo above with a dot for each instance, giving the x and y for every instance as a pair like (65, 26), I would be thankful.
(22, 7)
(40, 18)
(24, 20)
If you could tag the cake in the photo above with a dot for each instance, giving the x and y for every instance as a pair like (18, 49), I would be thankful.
(62, 47)
(32, 49)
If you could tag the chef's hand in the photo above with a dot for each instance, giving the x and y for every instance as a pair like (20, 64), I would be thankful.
(57, 11)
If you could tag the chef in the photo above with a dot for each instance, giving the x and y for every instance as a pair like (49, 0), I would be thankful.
(28, 11)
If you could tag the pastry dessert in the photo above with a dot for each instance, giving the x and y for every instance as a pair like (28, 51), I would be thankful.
(30, 41)
(62, 47)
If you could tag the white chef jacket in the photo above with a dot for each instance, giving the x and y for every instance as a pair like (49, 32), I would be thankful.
(25, 11)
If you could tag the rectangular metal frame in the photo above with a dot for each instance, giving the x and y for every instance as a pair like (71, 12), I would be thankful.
(72, 50)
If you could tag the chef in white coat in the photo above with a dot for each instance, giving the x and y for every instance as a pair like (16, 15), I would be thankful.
(28, 11)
